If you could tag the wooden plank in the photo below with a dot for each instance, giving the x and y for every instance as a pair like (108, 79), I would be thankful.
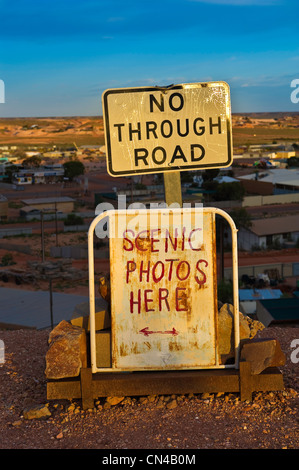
(64, 389)
(89, 387)
(86, 388)
(165, 383)
(270, 379)
(172, 188)
(245, 381)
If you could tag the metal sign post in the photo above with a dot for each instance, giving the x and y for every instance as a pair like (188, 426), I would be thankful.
(164, 290)
(172, 188)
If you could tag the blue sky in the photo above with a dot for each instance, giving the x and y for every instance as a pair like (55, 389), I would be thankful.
(57, 57)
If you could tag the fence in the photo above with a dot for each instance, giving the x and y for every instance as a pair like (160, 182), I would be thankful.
(11, 232)
(77, 252)
(283, 269)
(13, 247)
(267, 200)
(76, 228)
(256, 201)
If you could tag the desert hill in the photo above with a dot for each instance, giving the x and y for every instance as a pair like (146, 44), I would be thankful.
(89, 130)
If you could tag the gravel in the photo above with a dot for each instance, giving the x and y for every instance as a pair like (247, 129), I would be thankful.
(196, 421)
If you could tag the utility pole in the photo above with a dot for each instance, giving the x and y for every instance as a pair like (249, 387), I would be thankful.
(172, 188)
(221, 250)
(51, 302)
(42, 235)
(56, 224)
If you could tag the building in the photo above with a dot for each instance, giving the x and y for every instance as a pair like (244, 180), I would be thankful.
(53, 154)
(225, 179)
(281, 312)
(92, 148)
(22, 178)
(61, 204)
(42, 175)
(271, 181)
(285, 154)
(269, 232)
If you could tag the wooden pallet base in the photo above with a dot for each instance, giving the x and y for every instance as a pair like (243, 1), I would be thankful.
(89, 387)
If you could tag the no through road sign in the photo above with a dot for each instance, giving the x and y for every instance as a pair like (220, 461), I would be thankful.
(183, 127)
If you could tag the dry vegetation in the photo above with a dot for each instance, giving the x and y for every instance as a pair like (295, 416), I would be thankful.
(263, 128)
(191, 422)
(51, 131)
(247, 129)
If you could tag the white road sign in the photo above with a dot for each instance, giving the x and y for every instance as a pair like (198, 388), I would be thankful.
(182, 127)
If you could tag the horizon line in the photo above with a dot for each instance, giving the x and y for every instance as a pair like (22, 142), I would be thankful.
(101, 116)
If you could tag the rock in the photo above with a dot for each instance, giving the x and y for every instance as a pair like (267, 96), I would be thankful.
(104, 287)
(248, 329)
(171, 404)
(151, 398)
(80, 315)
(71, 408)
(127, 401)
(143, 400)
(17, 423)
(206, 396)
(67, 352)
(37, 412)
(244, 326)
(60, 330)
(114, 400)
(160, 403)
(254, 326)
(225, 330)
(262, 353)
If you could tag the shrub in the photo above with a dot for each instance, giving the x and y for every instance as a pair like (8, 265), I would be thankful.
(225, 291)
(73, 219)
(7, 260)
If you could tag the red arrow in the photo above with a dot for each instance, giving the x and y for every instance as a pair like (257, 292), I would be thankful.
(147, 332)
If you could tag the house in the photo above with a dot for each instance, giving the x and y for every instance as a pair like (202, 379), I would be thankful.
(269, 232)
(225, 179)
(248, 298)
(39, 175)
(53, 154)
(32, 213)
(61, 204)
(278, 312)
(285, 154)
(271, 181)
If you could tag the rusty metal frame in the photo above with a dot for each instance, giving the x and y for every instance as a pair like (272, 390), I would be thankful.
(111, 213)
